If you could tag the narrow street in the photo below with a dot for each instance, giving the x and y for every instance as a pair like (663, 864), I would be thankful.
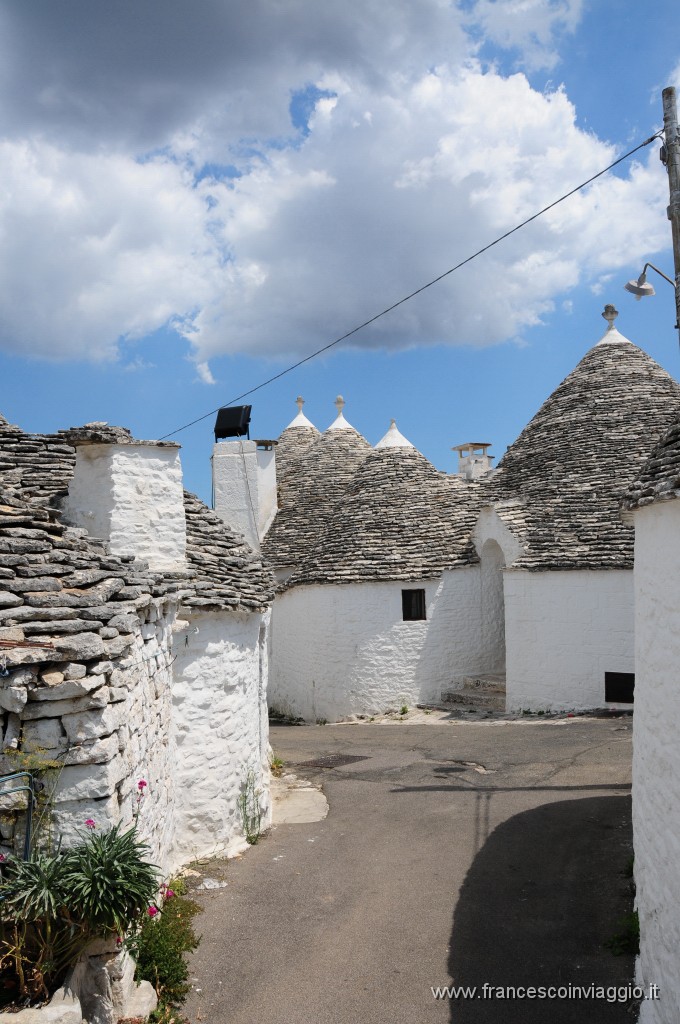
(453, 853)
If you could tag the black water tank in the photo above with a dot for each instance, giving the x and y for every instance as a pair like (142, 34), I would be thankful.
(232, 421)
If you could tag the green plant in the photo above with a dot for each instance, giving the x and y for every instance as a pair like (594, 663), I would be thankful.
(108, 880)
(404, 709)
(627, 939)
(52, 905)
(277, 715)
(276, 765)
(249, 808)
(160, 947)
(39, 936)
(322, 721)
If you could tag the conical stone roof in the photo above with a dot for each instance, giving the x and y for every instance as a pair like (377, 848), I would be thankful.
(399, 520)
(322, 475)
(559, 487)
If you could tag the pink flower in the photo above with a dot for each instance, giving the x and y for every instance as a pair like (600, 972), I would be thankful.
(168, 894)
(142, 784)
(2, 858)
(152, 911)
(119, 940)
(90, 823)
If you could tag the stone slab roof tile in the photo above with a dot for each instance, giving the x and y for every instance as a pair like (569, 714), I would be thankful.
(559, 487)
(659, 479)
(38, 469)
(399, 519)
(321, 476)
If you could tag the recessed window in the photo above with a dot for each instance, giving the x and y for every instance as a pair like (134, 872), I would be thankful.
(413, 604)
(619, 687)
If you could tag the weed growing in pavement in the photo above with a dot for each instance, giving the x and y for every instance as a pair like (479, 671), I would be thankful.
(276, 765)
(249, 808)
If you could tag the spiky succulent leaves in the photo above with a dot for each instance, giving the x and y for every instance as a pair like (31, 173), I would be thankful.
(109, 883)
(34, 889)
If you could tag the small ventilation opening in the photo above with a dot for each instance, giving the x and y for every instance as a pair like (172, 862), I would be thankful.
(619, 687)
(413, 605)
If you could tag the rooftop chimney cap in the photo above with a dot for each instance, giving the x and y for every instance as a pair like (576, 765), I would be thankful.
(232, 421)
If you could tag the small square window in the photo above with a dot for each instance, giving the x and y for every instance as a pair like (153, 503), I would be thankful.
(413, 605)
(619, 687)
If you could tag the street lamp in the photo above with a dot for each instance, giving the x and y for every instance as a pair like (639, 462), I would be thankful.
(641, 288)
(670, 156)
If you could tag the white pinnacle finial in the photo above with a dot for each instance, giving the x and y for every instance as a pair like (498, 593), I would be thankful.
(610, 314)
(394, 438)
(300, 420)
(340, 423)
(611, 336)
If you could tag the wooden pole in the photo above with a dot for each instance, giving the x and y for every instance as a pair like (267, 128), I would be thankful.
(672, 145)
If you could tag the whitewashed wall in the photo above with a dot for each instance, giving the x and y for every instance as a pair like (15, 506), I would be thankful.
(131, 496)
(219, 728)
(244, 487)
(563, 631)
(656, 755)
(345, 650)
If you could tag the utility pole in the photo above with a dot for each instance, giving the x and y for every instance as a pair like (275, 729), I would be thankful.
(670, 155)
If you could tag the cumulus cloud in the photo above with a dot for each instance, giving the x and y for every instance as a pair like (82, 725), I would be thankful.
(155, 175)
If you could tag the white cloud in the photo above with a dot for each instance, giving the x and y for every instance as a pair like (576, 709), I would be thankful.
(530, 27)
(119, 216)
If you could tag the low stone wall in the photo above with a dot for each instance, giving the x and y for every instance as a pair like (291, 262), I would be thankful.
(103, 722)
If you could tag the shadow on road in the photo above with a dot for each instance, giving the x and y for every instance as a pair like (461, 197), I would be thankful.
(544, 893)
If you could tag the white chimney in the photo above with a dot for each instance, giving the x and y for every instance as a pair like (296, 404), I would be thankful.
(244, 486)
(128, 493)
(474, 460)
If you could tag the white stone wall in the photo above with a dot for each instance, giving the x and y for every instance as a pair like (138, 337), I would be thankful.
(244, 487)
(656, 755)
(131, 496)
(345, 650)
(220, 730)
(563, 631)
(189, 717)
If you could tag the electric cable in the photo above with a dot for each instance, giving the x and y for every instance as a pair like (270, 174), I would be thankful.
(424, 287)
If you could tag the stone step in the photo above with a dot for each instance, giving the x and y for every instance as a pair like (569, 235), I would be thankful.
(484, 700)
(494, 681)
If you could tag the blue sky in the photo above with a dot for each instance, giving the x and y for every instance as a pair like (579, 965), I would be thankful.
(191, 204)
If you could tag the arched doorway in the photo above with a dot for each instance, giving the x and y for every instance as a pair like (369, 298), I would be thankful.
(493, 607)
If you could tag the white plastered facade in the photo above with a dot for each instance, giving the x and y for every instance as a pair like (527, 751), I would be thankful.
(345, 650)
(562, 630)
(656, 755)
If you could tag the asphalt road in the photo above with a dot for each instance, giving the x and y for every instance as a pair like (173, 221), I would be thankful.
(454, 853)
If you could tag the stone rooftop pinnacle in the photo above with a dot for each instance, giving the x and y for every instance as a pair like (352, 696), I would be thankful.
(300, 420)
(340, 423)
(394, 438)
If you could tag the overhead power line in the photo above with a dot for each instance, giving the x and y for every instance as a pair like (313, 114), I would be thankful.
(424, 287)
